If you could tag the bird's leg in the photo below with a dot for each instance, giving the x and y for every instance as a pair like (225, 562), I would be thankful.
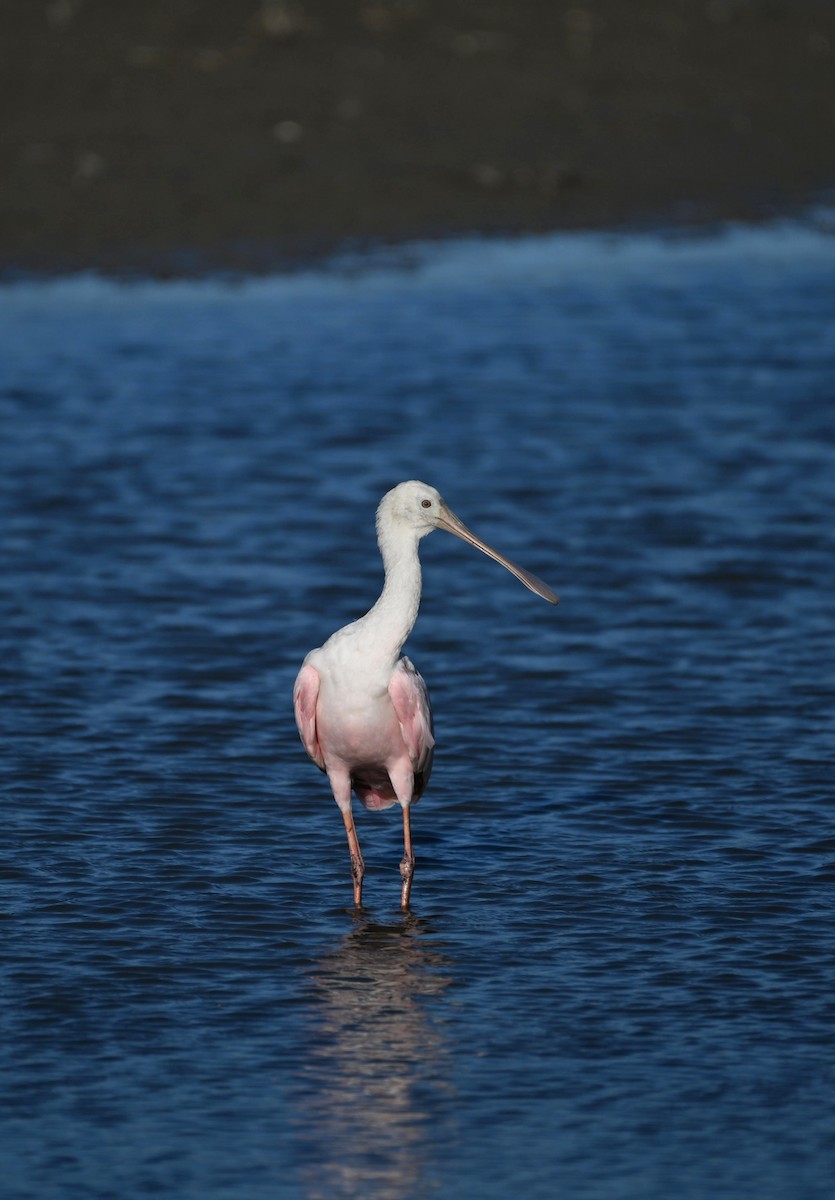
(357, 865)
(403, 781)
(407, 864)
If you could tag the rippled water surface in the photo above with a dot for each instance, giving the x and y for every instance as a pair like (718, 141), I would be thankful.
(617, 978)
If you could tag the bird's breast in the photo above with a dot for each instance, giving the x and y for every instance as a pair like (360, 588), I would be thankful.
(355, 717)
(359, 729)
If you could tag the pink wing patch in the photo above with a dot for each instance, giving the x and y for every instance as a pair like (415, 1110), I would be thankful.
(410, 697)
(305, 695)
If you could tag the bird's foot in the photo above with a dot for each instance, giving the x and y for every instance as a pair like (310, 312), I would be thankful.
(407, 870)
(358, 874)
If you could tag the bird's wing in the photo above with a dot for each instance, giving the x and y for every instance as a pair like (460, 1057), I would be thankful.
(410, 697)
(305, 695)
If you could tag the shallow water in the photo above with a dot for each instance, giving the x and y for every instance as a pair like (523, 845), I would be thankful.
(616, 980)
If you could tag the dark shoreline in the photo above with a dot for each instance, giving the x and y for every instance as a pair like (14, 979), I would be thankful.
(238, 262)
(184, 138)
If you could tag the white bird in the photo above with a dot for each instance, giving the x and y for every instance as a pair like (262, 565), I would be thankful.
(362, 709)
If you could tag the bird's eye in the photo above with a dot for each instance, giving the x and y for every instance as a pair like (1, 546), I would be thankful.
(426, 503)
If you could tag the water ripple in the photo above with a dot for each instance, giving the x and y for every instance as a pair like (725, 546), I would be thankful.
(617, 978)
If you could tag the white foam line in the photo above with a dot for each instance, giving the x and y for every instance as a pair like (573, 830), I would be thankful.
(559, 259)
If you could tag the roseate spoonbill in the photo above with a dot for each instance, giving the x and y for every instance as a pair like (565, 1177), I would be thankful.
(362, 709)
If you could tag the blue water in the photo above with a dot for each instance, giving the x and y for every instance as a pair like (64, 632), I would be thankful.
(617, 978)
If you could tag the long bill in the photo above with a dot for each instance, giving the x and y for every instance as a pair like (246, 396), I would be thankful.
(447, 520)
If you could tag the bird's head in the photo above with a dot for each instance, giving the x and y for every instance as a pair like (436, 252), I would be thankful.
(414, 508)
(411, 505)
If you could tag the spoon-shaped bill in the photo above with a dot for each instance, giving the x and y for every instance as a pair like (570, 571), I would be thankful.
(452, 524)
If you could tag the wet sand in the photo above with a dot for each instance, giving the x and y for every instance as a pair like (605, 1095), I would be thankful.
(177, 135)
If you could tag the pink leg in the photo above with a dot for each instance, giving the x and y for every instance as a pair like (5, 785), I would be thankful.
(340, 782)
(403, 782)
(357, 865)
(407, 865)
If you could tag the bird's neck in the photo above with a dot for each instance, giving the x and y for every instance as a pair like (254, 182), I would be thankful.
(393, 616)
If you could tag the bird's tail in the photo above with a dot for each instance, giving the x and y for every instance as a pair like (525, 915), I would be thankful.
(374, 791)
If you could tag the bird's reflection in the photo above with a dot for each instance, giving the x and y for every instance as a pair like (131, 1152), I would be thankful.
(377, 1065)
